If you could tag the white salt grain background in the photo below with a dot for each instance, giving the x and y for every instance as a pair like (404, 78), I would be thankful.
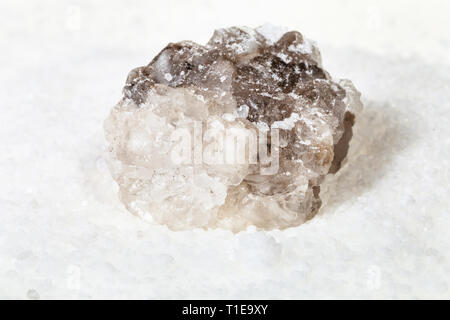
(384, 232)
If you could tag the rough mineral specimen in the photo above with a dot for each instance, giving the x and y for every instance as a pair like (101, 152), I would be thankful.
(239, 132)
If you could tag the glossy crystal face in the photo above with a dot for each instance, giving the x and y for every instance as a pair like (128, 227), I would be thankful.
(239, 132)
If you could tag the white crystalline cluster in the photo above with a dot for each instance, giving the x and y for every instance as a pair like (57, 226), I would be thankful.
(238, 132)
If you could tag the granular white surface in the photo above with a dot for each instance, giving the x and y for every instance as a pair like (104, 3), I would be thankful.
(64, 233)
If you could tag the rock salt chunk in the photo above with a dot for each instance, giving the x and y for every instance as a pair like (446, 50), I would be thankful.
(239, 132)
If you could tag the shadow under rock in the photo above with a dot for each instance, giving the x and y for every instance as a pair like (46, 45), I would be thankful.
(378, 136)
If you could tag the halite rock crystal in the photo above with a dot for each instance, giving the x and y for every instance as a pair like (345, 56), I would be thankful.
(239, 132)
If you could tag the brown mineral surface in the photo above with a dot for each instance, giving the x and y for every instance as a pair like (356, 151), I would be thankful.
(239, 132)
